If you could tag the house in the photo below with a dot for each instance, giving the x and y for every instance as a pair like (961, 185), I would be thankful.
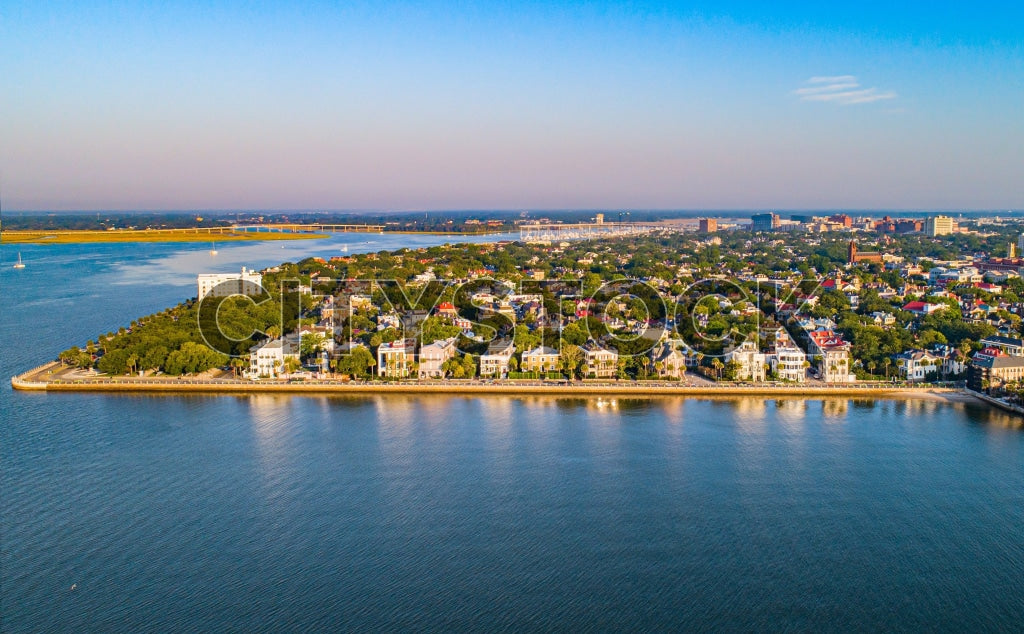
(788, 362)
(669, 360)
(599, 363)
(267, 359)
(447, 309)
(433, 355)
(1007, 345)
(749, 360)
(923, 308)
(388, 320)
(495, 362)
(882, 318)
(833, 356)
(540, 359)
(918, 365)
(395, 359)
(835, 363)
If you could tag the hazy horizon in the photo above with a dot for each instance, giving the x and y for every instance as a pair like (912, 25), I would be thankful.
(548, 106)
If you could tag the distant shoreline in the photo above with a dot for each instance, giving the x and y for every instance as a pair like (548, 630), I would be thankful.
(140, 235)
(90, 236)
(34, 380)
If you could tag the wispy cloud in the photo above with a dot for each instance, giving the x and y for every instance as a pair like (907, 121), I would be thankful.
(843, 90)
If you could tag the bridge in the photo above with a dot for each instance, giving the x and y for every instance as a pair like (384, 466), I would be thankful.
(583, 231)
(310, 228)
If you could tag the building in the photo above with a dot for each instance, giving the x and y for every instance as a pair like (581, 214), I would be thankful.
(1007, 345)
(599, 363)
(669, 360)
(919, 365)
(395, 359)
(833, 356)
(764, 222)
(433, 355)
(267, 360)
(707, 225)
(750, 362)
(841, 219)
(993, 368)
(853, 256)
(939, 226)
(447, 309)
(789, 363)
(495, 362)
(804, 219)
(835, 363)
(227, 284)
(923, 308)
(540, 359)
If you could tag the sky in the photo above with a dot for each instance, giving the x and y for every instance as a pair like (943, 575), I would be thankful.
(512, 105)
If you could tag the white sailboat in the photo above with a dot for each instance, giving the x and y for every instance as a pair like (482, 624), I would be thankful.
(19, 264)
(213, 248)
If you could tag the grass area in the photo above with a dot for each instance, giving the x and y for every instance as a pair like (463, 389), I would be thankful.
(144, 235)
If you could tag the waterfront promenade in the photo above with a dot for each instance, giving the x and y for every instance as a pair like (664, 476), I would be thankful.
(53, 377)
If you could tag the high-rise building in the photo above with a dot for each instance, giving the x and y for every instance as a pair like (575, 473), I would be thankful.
(710, 225)
(764, 222)
(227, 284)
(939, 226)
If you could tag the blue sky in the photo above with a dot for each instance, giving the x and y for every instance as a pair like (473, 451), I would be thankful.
(180, 105)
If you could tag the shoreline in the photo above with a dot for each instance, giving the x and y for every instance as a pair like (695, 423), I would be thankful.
(128, 236)
(120, 236)
(32, 381)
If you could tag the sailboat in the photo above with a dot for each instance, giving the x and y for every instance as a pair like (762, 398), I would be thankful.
(344, 248)
(19, 264)
(213, 248)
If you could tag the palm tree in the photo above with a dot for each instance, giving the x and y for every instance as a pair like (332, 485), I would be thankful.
(718, 367)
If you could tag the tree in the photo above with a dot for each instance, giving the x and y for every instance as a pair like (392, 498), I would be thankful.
(311, 344)
(436, 328)
(718, 367)
(357, 362)
(525, 340)
(570, 358)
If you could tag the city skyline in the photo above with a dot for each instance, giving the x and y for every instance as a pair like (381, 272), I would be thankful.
(547, 106)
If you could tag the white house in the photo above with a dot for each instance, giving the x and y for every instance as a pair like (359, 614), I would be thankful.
(600, 363)
(267, 359)
(788, 363)
(495, 362)
(433, 355)
(750, 361)
(916, 365)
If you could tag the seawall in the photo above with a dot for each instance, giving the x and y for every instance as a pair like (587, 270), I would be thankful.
(31, 381)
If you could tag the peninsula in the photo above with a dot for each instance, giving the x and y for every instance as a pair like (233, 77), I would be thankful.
(813, 306)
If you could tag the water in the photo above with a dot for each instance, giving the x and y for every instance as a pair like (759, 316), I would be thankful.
(270, 513)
